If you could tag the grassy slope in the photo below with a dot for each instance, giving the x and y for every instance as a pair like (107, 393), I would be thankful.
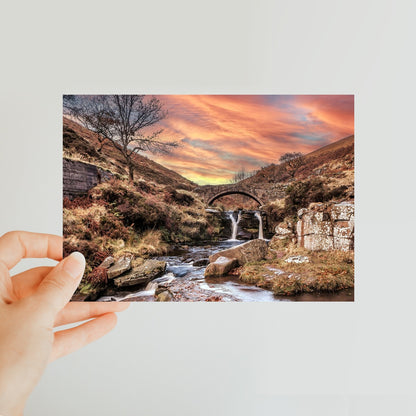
(326, 271)
(345, 142)
(113, 161)
(334, 161)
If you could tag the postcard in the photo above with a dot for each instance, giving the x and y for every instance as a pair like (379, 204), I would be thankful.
(210, 198)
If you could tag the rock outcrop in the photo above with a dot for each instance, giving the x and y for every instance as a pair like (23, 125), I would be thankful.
(253, 250)
(220, 267)
(80, 177)
(148, 271)
(285, 230)
(123, 264)
(326, 226)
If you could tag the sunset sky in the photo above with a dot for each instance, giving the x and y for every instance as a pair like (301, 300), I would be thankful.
(221, 134)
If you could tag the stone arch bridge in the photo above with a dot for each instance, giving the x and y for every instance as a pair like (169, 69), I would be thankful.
(262, 195)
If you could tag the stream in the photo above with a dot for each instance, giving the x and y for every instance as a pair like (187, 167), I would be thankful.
(187, 263)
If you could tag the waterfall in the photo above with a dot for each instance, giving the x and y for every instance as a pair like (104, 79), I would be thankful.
(234, 223)
(258, 216)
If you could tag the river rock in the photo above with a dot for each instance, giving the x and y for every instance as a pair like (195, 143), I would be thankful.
(151, 286)
(164, 296)
(148, 271)
(220, 267)
(122, 265)
(166, 279)
(201, 262)
(253, 250)
(107, 263)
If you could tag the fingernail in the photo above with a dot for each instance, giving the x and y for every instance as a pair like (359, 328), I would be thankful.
(74, 264)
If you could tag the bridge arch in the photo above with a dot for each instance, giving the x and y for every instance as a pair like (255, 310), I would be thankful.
(233, 191)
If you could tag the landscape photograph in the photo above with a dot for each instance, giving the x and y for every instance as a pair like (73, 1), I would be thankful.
(210, 198)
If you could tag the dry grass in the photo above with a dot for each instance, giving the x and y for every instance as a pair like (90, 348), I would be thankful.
(118, 217)
(326, 271)
(148, 244)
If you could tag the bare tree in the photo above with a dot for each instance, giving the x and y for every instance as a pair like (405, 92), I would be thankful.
(125, 121)
(292, 161)
(241, 175)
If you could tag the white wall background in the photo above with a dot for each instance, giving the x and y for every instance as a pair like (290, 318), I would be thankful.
(228, 359)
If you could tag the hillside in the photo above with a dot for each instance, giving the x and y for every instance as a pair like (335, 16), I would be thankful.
(80, 144)
(116, 217)
(333, 164)
(342, 143)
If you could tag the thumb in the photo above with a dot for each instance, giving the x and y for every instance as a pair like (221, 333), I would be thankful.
(57, 288)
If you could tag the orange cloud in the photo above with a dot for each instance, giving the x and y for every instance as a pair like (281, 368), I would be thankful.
(221, 134)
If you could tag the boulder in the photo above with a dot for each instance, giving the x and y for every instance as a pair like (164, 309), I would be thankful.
(148, 271)
(253, 250)
(220, 267)
(164, 296)
(121, 266)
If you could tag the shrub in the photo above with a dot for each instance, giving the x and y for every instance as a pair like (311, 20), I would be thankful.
(338, 192)
(142, 215)
(143, 186)
(178, 197)
(113, 227)
(98, 276)
(92, 252)
(99, 256)
(276, 212)
(301, 193)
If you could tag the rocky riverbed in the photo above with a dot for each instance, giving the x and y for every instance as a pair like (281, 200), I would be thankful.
(183, 280)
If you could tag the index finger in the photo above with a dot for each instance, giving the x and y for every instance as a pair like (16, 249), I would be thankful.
(17, 245)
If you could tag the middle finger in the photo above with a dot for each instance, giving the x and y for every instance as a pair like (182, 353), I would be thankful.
(81, 311)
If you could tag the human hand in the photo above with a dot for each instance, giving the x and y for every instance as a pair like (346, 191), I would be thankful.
(32, 304)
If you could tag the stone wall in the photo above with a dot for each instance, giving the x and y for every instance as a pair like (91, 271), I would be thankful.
(80, 177)
(326, 227)
(271, 192)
